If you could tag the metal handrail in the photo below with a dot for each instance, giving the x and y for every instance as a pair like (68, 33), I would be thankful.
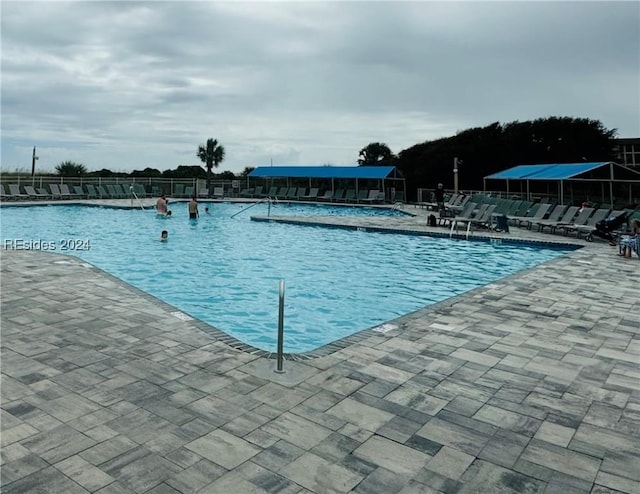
(133, 194)
(267, 199)
(280, 353)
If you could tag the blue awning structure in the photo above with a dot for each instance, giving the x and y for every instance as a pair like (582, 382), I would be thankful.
(349, 172)
(606, 172)
(553, 171)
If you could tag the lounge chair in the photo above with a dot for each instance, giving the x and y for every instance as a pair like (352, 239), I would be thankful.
(328, 194)
(566, 219)
(374, 196)
(338, 195)
(248, 192)
(14, 190)
(540, 212)
(79, 192)
(554, 216)
(125, 190)
(55, 191)
(465, 214)
(313, 194)
(65, 191)
(590, 224)
(113, 192)
(218, 192)
(461, 201)
(273, 191)
(33, 194)
(3, 195)
(481, 218)
(580, 219)
(484, 219)
(103, 193)
(188, 191)
(451, 201)
(140, 191)
(292, 194)
(350, 195)
(92, 193)
(362, 195)
(522, 210)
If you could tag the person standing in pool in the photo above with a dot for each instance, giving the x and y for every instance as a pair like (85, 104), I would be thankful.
(193, 209)
(161, 205)
(164, 236)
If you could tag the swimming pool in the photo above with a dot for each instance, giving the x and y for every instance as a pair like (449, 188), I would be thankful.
(225, 270)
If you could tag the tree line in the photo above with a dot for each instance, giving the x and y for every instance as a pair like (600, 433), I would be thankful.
(480, 151)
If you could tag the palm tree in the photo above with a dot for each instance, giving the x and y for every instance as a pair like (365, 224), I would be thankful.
(212, 154)
(376, 153)
(70, 169)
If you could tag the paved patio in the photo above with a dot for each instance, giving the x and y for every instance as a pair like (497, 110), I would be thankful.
(528, 385)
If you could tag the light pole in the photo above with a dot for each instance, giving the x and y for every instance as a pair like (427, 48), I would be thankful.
(456, 163)
(33, 166)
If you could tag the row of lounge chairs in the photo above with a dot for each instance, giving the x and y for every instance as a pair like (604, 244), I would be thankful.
(314, 194)
(64, 191)
(545, 217)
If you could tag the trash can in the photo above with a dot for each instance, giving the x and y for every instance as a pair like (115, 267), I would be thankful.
(502, 225)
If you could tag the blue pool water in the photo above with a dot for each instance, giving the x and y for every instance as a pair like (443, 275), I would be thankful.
(226, 271)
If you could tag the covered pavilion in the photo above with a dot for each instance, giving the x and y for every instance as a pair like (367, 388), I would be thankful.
(388, 179)
(602, 178)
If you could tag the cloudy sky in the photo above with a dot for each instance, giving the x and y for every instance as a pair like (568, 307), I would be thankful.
(126, 85)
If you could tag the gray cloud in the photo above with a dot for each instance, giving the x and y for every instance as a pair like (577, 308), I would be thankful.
(126, 85)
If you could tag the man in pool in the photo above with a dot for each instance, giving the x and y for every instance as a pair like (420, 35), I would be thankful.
(161, 205)
(164, 236)
(193, 209)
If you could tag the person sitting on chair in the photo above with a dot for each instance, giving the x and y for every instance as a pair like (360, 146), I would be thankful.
(630, 242)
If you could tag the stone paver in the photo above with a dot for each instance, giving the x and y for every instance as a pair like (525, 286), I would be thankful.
(528, 385)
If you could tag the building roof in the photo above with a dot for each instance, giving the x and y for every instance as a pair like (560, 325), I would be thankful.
(351, 172)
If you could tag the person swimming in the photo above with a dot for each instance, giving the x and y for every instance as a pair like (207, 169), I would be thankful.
(164, 236)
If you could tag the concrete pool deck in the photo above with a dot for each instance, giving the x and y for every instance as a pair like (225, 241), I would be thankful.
(530, 384)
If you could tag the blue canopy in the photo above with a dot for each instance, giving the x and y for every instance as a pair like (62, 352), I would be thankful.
(352, 172)
(552, 171)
